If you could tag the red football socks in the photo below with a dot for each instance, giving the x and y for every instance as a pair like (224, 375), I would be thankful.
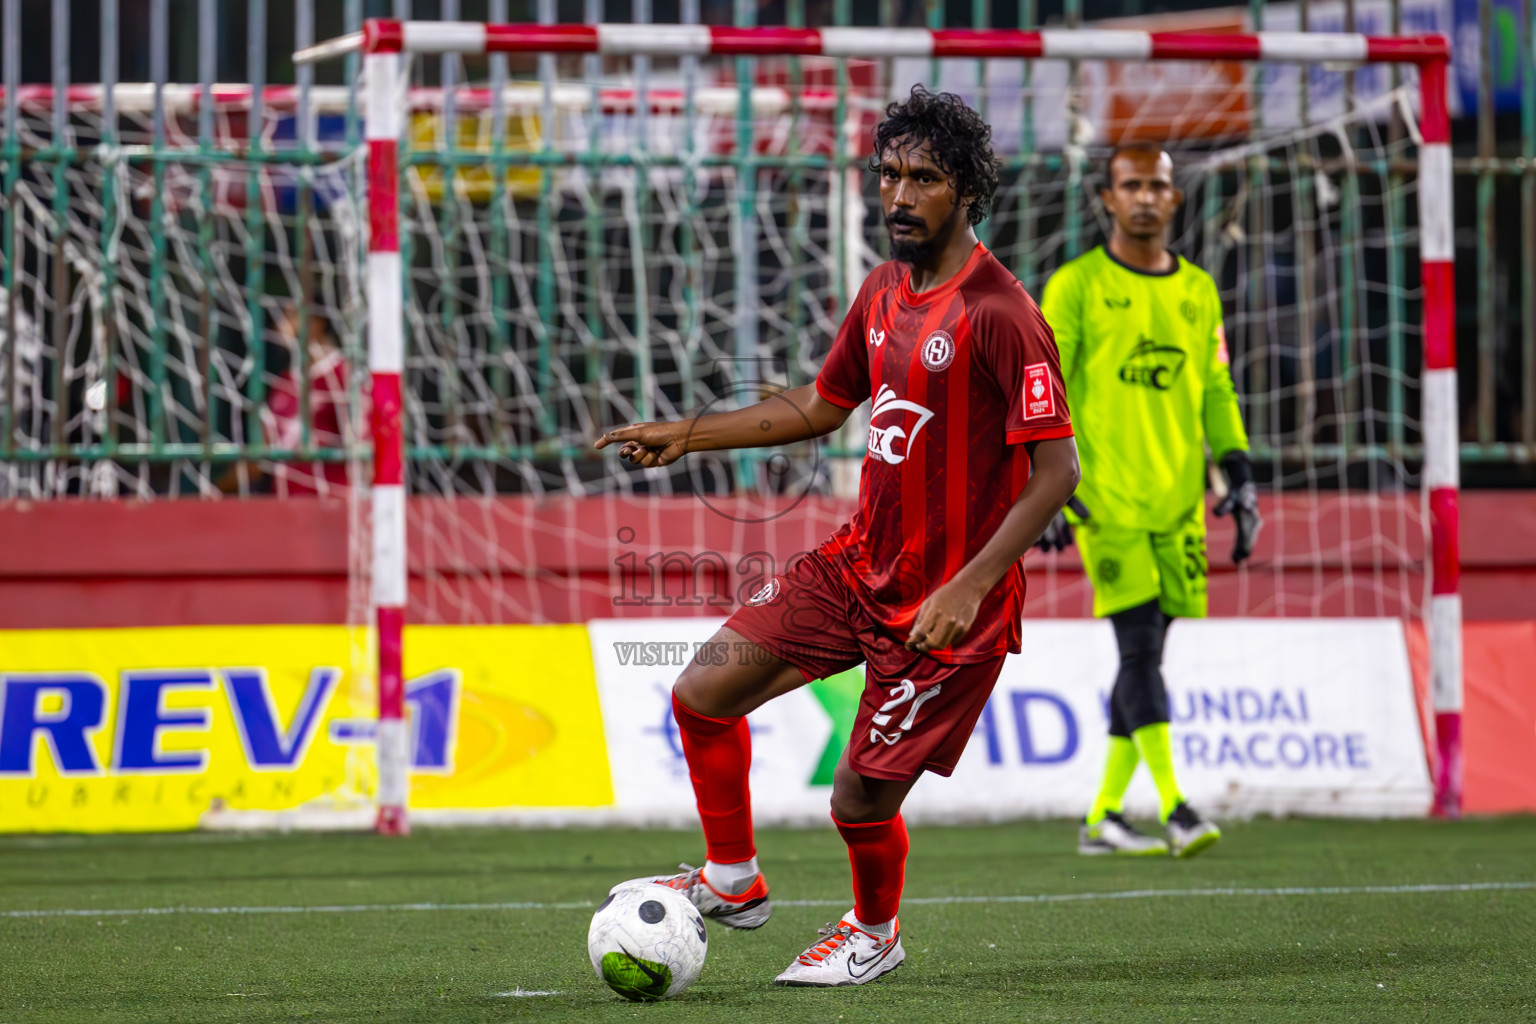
(878, 853)
(719, 753)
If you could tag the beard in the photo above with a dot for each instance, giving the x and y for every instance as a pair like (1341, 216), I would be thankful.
(909, 250)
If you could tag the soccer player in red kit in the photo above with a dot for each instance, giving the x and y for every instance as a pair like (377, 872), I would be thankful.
(970, 456)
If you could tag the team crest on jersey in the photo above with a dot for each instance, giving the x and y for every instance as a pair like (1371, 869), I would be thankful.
(1190, 310)
(768, 593)
(1152, 365)
(1039, 402)
(938, 351)
(876, 338)
(889, 441)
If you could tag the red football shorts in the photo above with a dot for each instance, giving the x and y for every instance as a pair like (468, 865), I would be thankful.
(916, 713)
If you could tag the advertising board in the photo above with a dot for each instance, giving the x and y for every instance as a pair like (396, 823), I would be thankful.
(268, 726)
(160, 729)
(1269, 716)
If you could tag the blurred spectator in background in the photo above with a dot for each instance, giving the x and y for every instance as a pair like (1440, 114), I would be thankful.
(316, 380)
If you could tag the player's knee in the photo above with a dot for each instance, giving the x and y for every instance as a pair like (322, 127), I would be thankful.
(861, 800)
(1140, 698)
(700, 692)
(1117, 723)
(1141, 647)
(852, 802)
(1143, 700)
(850, 810)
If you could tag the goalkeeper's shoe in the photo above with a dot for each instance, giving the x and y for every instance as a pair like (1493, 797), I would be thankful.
(1188, 833)
(747, 909)
(845, 955)
(1113, 834)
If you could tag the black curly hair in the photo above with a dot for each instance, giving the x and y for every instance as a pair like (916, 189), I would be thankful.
(960, 140)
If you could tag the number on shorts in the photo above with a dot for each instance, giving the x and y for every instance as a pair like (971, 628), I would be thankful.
(901, 695)
(1194, 557)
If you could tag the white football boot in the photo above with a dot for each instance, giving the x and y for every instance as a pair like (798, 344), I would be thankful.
(747, 910)
(1112, 834)
(1189, 833)
(846, 955)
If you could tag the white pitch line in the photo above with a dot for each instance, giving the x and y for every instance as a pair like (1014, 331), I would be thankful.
(1058, 897)
(336, 908)
(1140, 894)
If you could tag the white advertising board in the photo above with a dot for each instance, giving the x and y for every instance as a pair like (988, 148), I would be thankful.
(1270, 716)
(637, 661)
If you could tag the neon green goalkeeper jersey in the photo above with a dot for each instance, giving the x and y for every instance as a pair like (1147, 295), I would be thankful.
(1144, 359)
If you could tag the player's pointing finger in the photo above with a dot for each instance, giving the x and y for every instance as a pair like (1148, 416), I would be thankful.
(631, 432)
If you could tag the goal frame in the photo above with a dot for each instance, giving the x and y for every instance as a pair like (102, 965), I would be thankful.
(383, 42)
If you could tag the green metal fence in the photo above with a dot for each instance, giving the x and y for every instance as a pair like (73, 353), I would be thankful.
(184, 285)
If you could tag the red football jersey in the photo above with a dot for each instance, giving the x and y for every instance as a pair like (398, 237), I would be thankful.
(960, 376)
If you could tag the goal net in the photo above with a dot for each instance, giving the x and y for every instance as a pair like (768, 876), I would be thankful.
(638, 237)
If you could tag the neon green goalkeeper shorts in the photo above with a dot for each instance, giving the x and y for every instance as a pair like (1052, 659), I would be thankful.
(1131, 567)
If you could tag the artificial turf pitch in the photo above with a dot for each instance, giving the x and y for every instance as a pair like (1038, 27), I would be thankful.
(1142, 939)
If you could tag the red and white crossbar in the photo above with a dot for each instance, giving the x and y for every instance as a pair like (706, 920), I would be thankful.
(383, 42)
(387, 36)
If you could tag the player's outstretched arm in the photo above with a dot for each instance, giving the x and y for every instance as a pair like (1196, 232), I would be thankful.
(948, 612)
(798, 414)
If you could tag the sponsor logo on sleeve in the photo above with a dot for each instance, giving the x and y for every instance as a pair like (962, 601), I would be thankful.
(1039, 402)
(1221, 345)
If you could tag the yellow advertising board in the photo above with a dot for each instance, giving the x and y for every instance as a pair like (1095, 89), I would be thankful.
(150, 729)
(471, 134)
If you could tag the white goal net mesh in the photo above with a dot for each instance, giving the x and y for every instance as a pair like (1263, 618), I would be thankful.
(185, 305)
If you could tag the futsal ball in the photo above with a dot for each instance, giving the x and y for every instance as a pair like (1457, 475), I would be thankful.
(647, 942)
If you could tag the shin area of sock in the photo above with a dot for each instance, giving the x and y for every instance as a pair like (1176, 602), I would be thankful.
(877, 852)
(719, 755)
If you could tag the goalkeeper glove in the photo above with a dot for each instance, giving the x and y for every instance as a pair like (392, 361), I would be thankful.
(1241, 503)
(1058, 535)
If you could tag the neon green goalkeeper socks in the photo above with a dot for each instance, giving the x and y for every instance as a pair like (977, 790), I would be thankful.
(1152, 742)
(1119, 765)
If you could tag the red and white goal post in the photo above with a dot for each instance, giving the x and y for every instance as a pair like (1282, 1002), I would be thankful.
(383, 43)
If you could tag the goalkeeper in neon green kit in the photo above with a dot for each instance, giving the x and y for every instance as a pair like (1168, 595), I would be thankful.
(1144, 360)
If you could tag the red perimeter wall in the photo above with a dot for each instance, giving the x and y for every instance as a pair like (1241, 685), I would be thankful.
(82, 564)
(77, 564)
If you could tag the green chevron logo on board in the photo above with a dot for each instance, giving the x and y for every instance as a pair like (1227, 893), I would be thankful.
(839, 697)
